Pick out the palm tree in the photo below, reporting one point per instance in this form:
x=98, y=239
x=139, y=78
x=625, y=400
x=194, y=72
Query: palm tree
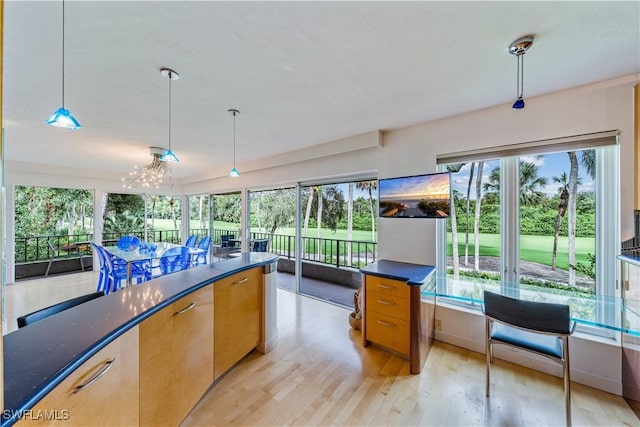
x=370, y=186
x=563, y=192
x=530, y=183
x=588, y=160
x=454, y=226
x=466, y=233
x=476, y=225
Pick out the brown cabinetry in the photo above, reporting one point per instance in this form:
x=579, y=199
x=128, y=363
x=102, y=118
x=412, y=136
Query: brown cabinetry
x=176, y=358
x=395, y=318
x=237, y=317
x=103, y=391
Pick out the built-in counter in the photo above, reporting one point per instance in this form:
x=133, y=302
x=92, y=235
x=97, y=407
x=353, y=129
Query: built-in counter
x=42, y=356
x=393, y=313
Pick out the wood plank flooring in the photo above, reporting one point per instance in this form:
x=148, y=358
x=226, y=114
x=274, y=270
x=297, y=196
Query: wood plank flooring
x=319, y=374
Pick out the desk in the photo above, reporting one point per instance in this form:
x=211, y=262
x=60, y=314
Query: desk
x=133, y=256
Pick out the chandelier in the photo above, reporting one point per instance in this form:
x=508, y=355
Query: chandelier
x=151, y=175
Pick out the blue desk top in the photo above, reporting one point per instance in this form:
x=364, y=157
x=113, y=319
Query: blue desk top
x=413, y=274
x=40, y=356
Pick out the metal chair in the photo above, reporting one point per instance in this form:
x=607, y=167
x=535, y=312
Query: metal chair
x=191, y=241
x=30, y=318
x=537, y=327
x=260, y=245
x=175, y=259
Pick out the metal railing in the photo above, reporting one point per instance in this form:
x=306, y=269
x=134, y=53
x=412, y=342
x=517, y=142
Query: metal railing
x=335, y=252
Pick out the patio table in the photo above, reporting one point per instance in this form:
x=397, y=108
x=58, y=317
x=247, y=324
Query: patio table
x=144, y=253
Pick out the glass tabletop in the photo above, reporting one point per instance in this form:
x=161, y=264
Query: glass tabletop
x=614, y=313
x=147, y=251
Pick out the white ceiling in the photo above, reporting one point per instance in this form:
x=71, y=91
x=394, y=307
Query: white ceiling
x=301, y=73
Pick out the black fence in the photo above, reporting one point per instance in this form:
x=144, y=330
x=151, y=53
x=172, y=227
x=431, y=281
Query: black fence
x=335, y=252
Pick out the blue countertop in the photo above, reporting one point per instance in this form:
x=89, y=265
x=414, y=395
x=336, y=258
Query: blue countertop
x=40, y=356
x=413, y=274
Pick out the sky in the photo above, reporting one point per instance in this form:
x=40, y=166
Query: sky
x=549, y=165
x=435, y=186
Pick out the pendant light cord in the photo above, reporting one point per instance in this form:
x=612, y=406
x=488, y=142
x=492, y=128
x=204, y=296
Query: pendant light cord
x=234, y=139
x=170, y=77
x=62, y=53
x=520, y=75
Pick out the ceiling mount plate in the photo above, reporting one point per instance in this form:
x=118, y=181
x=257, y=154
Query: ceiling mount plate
x=168, y=72
x=233, y=111
x=520, y=46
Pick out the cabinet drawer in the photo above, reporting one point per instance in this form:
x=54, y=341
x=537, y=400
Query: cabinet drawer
x=388, y=331
x=387, y=286
x=390, y=305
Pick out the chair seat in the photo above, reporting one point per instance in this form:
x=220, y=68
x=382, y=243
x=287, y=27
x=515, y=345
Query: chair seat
x=544, y=344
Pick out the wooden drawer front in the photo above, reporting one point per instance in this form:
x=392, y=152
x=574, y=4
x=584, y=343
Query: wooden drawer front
x=388, y=331
x=389, y=305
x=387, y=286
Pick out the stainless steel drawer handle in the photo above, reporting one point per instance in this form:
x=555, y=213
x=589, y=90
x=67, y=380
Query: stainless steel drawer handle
x=380, y=285
x=241, y=281
x=107, y=365
x=184, y=310
x=388, y=324
x=381, y=301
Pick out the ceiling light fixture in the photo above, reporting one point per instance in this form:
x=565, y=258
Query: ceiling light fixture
x=151, y=175
x=518, y=48
x=234, y=172
x=169, y=155
x=63, y=117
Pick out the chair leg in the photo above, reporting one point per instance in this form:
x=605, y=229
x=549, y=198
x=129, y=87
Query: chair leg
x=487, y=352
x=567, y=380
x=46, y=273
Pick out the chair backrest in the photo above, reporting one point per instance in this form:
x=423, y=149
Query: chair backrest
x=224, y=240
x=128, y=243
x=175, y=259
x=260, y=245
x=30, y=318
x=205, y=243
x=191, y=241
x=537, y=316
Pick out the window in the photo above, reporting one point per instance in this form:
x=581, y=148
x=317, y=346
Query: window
x=536, y=217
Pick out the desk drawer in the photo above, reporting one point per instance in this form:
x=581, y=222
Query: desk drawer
x=387, y=286
x=390, y=305
x=388, y=331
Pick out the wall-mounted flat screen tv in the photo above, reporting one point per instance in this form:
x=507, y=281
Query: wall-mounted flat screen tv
x=418, y=196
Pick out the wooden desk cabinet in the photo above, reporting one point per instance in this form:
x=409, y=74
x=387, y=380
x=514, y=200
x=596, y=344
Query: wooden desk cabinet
x=394, y=318
x=101, y=392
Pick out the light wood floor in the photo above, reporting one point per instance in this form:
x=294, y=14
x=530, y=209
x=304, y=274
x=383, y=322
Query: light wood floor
x=319, y=374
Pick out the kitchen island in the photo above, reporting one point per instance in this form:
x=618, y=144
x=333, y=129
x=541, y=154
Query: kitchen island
x=75, y=367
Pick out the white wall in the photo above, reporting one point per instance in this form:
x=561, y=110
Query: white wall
x=413, y=150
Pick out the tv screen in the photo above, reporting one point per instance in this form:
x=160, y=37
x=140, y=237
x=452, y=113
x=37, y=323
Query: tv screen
x=418, y=196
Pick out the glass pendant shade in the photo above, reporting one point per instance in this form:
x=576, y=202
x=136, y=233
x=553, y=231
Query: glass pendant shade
x=169, y=156
x=234, y=173
x=64, y=119
x=519, y=104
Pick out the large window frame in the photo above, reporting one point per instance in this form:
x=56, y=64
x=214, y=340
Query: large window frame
x=607, y=241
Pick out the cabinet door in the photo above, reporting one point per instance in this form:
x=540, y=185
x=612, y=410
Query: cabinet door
x=176, y=359
x=237, y=317
x=101, y=392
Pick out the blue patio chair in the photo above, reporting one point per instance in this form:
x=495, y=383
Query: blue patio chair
x=113, y=271
x=175, y=259
x=260, y=245
x=128, y=243
x=103, y=277
x=204, y=244
x=191, y=241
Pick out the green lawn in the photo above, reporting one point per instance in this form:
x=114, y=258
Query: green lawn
x=532, y=248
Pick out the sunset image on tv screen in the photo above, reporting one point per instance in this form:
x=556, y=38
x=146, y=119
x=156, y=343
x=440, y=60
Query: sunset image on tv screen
x=422, y=196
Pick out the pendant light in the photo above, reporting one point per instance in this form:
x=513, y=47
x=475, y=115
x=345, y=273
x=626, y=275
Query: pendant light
x=518, y=48
x=234, y=172
x=169, y=155
x=63, y=117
